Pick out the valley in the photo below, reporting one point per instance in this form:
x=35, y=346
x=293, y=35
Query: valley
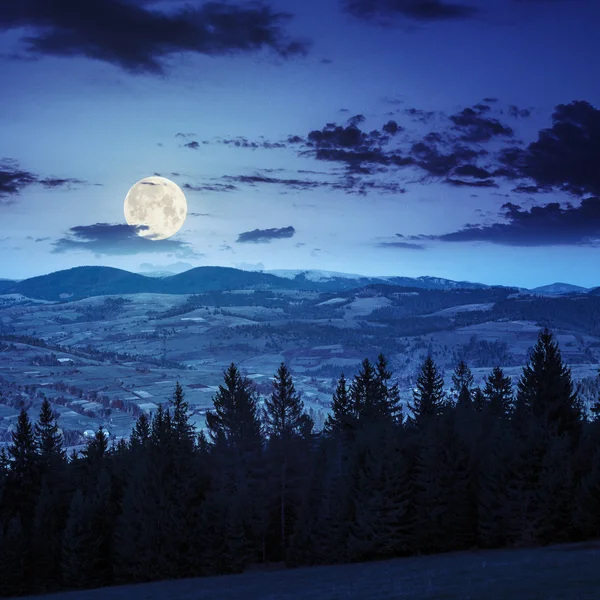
x=103, y=359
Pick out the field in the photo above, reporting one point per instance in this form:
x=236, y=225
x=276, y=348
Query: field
x=103, y=360
x=551, y=573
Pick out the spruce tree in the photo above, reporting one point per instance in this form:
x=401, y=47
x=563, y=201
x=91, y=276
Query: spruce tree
x=23, y=449
x=498, y=394
x=24, y=477
x=389, y=394
x=462, y=385
x=546, y=389
x=366, y=393
x=428, y=395
x=183, y=430
x=342, y=416
x=284, y=420
x=283, y=410
x=140, y=435
x=234, y=420
x=49, y=439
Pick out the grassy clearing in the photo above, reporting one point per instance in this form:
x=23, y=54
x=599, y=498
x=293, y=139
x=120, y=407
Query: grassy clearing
x=569, y=571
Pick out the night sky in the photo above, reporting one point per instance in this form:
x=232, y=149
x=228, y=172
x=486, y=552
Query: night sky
x=382, y=137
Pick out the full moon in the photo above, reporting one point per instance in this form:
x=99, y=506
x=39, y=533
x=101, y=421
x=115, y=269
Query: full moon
x=156, y=207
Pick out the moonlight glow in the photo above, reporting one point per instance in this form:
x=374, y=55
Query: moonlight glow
x=156, y=207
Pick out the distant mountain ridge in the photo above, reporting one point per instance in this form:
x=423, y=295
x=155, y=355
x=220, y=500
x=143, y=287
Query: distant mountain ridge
x=83, y=282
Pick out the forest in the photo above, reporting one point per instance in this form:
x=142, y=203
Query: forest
x=475, y=467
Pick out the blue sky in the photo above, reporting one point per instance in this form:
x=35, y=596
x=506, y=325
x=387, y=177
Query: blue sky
x=389, y=137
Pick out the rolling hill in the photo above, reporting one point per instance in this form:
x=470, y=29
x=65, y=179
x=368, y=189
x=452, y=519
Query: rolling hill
x=85, y=282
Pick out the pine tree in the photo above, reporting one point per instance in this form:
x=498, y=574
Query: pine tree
x=283, y=411
x=498, y=393
x=49, y=439
x=234, y=420
x=428, y=396
x=23, y=449
x=23, y=477
x=463, y=385
x=140, y=435
x=389, y=394
x=96, y=448
x=546, y=389
x=183, y=430
x=342, y=416
x=284, y=421
x=366, y=393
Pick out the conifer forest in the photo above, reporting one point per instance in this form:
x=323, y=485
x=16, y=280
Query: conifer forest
x=476, y=467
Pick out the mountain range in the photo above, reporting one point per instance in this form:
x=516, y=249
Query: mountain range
x=83, y=282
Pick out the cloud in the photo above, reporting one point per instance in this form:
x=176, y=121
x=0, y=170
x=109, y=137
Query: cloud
x=259, y=236
x=475, y=128
x=415, y=10
x=293, y=183
x=14, y=179
x=193, y=145
x=515, y=111
x=401, y=245
x=118, y=239
x=565, y=156
x=546, y=225
x=138, y=38
x=209, y=187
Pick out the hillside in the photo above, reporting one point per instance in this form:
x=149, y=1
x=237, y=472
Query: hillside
x=564, y=572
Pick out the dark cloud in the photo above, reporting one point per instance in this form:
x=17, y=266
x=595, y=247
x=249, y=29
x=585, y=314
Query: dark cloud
x=210, y=187
x=14, y=179
x=356, y=120
x=515, y=111
x=417, y=114
x=546, y=225
x=435, y=161
x=192, y=145
x=258, y=236
x=475, y=128
x=485, y=183
x=110, y=239
x=185, y=135
x=392, y=128
x=138, y=38
x=242, y=142
x=482, y=108
x=415, y=10
x=565, y=156
x=490, y=99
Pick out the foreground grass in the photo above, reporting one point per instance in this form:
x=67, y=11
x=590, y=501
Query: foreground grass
x=570, y=571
